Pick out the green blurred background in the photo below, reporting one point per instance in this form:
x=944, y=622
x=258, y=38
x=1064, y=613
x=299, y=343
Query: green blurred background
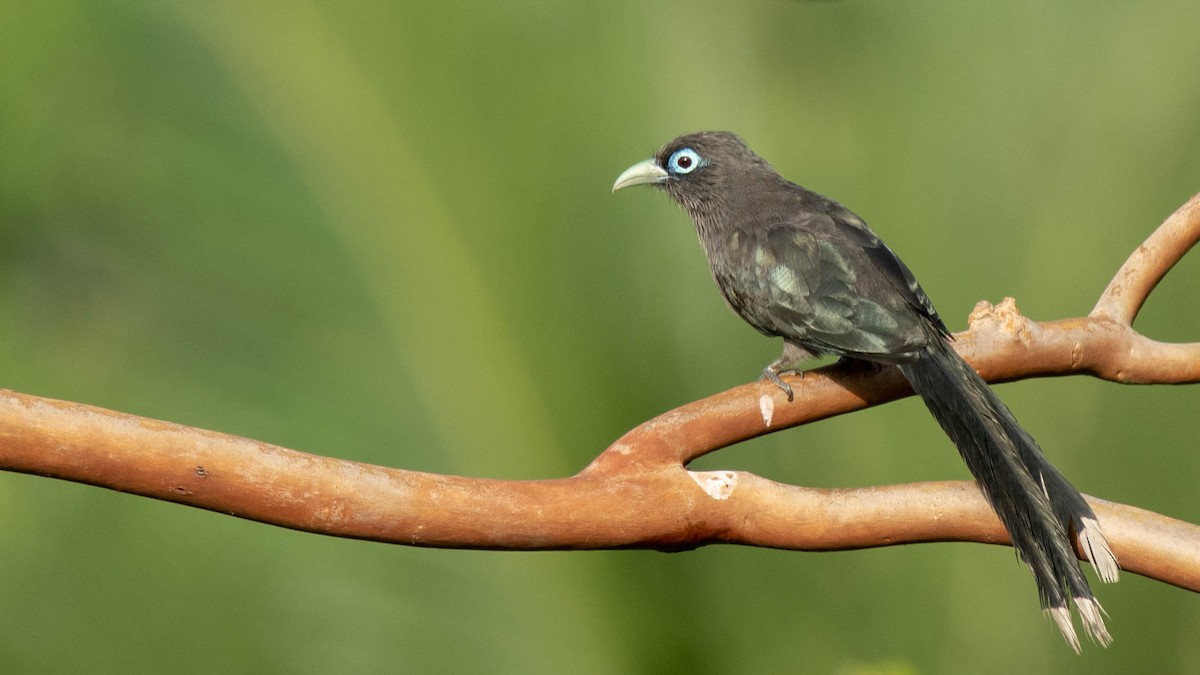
x=383, y=232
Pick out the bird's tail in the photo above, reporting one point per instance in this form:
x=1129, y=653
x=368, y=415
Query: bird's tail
x=1036, y=503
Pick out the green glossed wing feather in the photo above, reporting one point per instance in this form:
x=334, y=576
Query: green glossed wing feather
x=804, y=288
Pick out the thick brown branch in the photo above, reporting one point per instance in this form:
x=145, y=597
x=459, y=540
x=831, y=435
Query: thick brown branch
x=637, y=506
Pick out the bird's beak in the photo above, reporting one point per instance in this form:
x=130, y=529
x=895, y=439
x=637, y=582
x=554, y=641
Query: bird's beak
x=642, y=173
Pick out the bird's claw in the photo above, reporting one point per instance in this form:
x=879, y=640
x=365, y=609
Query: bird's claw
x=773, y=376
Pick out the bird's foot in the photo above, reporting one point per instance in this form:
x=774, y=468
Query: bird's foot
x=772, y=374
x=788, y=363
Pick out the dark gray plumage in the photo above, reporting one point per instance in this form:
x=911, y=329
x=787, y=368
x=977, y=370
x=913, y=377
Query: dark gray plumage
x=802, y=267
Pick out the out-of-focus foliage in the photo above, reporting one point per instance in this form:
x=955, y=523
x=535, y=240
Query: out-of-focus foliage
x=383, y=231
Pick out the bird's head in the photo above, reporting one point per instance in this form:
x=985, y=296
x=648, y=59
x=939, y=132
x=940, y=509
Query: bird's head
x=698, y=169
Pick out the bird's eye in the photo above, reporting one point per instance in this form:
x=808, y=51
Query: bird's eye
x=684, y=161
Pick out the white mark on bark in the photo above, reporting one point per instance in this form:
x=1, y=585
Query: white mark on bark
x=718, y=484
x=766, y=405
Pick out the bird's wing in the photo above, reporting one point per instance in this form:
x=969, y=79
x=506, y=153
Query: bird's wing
x=898, y=278
x=830, y=286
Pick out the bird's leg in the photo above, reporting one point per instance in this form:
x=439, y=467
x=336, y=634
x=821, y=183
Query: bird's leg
x=789, y=362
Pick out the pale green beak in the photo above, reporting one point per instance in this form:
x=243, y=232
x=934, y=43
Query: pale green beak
x=642, y=173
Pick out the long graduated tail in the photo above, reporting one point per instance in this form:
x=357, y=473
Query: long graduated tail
x=1036, y=503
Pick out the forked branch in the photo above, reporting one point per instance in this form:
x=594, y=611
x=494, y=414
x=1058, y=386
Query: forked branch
x=638, y=493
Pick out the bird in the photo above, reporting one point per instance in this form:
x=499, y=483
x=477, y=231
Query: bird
x=800, y=266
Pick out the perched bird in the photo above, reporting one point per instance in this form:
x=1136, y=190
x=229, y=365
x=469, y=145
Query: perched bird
x=800, y=266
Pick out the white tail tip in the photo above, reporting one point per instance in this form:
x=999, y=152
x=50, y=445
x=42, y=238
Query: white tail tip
x=1091, y=613
x=1096, y=548
x=1062, y=617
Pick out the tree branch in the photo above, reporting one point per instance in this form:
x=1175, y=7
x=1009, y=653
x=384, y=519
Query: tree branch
x=638, y=493
x=1147, y=266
